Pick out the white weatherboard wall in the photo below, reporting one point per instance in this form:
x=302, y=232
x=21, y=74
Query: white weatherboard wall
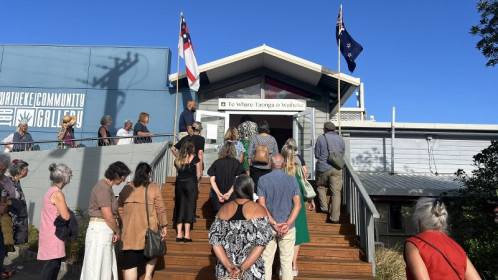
x=411, y=155
x=88, y=166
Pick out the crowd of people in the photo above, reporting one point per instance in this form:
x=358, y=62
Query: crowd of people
x=21, y=139
x=256, y=192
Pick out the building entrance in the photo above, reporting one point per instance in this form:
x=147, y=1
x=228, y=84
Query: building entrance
x=283, y=125
x=280, y=125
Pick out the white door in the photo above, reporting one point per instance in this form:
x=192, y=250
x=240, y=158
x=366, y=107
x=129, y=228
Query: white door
x=303, y=132
x=214, y=124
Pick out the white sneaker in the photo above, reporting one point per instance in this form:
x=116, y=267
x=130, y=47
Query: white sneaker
x=255, y=197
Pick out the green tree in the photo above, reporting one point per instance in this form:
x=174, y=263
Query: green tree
x=471, y=212
x=487, y=29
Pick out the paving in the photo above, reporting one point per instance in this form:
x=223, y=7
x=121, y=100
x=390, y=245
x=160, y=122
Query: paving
x=27, y=267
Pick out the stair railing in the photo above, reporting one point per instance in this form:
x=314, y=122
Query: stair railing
x=160, y=164
x=362, y=211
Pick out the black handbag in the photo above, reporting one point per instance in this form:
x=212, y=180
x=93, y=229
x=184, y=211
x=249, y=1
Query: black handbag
x=155, y=246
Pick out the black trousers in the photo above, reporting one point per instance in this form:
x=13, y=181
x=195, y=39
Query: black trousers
x=51, y=269
x=255, y=174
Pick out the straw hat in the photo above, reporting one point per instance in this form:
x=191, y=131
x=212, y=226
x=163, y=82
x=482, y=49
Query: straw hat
x=70, y=120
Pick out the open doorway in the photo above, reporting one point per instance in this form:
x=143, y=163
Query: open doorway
x=280, y=125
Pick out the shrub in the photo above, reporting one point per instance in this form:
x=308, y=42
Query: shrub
x=470, y=212
x=390, y=264
x=75, y=249
x=32, y=244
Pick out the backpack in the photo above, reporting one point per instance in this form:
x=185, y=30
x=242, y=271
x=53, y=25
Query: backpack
x=262, y=153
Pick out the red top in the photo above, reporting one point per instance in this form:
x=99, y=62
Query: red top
x=437, y=266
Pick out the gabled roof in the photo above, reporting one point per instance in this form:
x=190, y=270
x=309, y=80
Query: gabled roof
x=415, y=185
x=275, y=60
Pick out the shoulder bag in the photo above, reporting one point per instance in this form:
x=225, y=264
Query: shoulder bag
x=335, y=159
x=155, y=246
x=262, y=153
x=308, y=191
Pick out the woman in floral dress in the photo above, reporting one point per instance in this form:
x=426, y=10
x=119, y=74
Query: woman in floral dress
x=240, y=234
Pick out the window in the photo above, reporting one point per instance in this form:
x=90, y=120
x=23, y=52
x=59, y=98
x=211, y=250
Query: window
x=250, y=89
x=396, y=217
x=277, y=90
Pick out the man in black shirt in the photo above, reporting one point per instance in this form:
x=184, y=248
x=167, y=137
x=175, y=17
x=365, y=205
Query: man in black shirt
x=186, y=120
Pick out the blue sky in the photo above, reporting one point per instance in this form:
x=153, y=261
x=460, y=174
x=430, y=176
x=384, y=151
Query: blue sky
x=418, y=55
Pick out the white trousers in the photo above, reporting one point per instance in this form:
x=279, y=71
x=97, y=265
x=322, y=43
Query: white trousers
x=100, y=258
x=286, y=247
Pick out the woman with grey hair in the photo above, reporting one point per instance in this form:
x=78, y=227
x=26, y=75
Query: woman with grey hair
x=432, y=254
x=22, y=138
x=19, y=209
x=51, y=249
x=103, y=132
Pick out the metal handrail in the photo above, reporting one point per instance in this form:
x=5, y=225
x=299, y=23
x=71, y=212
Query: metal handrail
x=160, y=164
x=89, y=139
x=363, y=213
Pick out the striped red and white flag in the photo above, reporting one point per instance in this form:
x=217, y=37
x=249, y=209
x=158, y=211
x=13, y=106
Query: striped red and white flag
x=186, y=51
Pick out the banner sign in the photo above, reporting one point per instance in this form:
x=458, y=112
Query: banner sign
x=261, y=104
x=40, y=109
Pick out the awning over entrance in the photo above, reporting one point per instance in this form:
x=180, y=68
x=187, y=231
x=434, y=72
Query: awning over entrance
x=265, y=57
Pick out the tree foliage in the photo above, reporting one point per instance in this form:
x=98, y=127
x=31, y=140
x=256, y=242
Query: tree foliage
x=487, y=29
x=471, y=214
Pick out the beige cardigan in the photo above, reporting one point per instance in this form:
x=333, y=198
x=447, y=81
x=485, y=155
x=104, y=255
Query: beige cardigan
x=133, y=216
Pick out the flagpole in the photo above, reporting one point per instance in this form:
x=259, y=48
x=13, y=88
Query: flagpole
x=339, y=76
x=177, y=77
x=176, y=97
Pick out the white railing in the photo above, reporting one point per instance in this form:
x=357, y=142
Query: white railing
x=362, y=211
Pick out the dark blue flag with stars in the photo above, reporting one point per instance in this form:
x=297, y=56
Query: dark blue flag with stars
x=350, y=49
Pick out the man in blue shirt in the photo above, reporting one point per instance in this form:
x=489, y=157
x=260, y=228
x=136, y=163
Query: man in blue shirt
x=186, y=120
x=279, y=193
x=326, y=174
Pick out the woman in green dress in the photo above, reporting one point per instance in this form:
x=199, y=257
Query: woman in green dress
x=302, y=234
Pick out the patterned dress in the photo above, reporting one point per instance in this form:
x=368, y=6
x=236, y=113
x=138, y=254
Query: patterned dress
x=19, y=215
x=247, y=131
x=238, y=238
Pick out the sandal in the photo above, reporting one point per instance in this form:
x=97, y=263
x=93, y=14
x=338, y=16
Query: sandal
x=4, y=275
x=9, y=272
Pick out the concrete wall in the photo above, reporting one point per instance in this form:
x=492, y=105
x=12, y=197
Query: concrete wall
x=88, y=166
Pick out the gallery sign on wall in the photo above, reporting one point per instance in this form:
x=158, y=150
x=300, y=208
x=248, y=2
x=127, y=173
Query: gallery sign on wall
x=40, y=109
